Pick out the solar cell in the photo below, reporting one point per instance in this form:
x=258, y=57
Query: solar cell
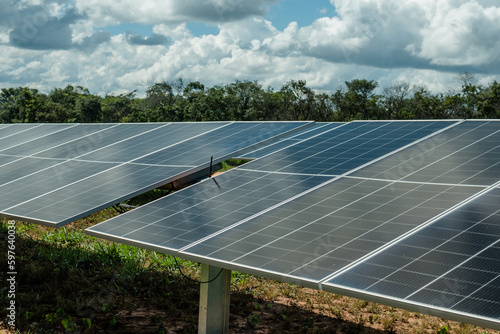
x=212, y=206
x=55, y=174
x=99, y=190
x=468, y=153
x=451, y=264
x=150, y=142
x=30, y=134
x=338, y=223
x=8, y=130
x=221, y=143
x=347, y=147
x=94, y=141
x=55, y=139
x=45, y=181
x=266, y=195
x=287, y=141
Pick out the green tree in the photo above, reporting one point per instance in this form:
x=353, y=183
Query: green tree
x=66, y=98
x=324, y=108
x=9, y=108
x=425, y=105
x=297, y=101
x=358, y=101
x=21, y=104
x=489, y=101
x=88, y=108
x=242, y=98
x=395, y=100
x=118, y=108
x=469, y=94
x=161, y=101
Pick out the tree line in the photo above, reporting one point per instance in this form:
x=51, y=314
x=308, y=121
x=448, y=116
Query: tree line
x=177, y=101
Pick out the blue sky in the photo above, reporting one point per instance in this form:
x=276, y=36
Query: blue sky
x=280, y=14
x=302, y=12
x=117, y=46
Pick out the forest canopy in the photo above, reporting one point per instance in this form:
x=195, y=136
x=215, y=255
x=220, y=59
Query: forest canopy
x=178, y=101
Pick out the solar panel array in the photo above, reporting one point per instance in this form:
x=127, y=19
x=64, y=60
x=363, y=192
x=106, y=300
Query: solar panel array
x=397, y=212
x=56, y=173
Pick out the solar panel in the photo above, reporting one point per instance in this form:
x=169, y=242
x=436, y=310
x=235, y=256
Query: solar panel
x=451, y=266
x=347, y=147
x=290, y=140
x=261, y=184
x=116, y=135
x=9, y=130
x=174, y=222
x=55, y=174
x=62, y=135
x=468, y=153
x=338, y=223
x=260, y=190
x=349, y=218
x=20, y=135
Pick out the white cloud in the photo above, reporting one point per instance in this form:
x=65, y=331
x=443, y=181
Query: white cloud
x=407, y=33
x=245, y=31
x=424, y=41
x=171, y=11
x=464, y=35
x=175, y=32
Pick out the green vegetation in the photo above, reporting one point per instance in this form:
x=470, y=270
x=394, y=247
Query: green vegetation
x=249, y=101
x=231, y=163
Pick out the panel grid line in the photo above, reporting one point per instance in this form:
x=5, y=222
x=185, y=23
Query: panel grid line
x=373, y=160
x=457, y=266
x=480, y=288
x=257, y=214
x=322, y=151
x=16, y=133
x=420, y=307
x=447, y=272
x=296, y=141
x=367, y=178
x=73, y=159
x=38, y=138
x=343, y=225
x=451, y=154
x=198, y=204
x=412, y=232
x=122, y=164
x=314, y=221
x=52, y=147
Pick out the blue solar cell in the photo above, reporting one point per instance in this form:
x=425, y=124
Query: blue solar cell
x=468, y=153
x=347, y=147
x=290, y=140
x=63, y=172
x=208, y=207
x=459, y=272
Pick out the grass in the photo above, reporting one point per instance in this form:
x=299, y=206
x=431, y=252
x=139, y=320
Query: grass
x=69, y=282
x=231, y=163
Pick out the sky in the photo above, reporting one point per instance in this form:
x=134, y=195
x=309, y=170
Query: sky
x=117, y=46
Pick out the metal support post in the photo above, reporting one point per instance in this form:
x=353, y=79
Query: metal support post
x=214, y=300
